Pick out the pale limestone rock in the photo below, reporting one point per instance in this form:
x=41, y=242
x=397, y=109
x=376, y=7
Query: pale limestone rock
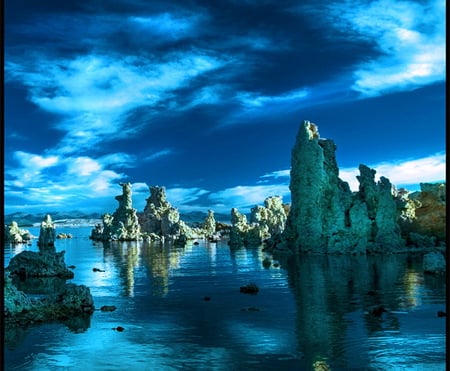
x=123, y=224
x=209, y=224
x=47, y=235
x=161, y=219
x=15, y=235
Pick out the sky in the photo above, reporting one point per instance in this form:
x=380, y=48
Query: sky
x=206, y=98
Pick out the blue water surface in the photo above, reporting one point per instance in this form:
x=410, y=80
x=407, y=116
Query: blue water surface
x=182, y=309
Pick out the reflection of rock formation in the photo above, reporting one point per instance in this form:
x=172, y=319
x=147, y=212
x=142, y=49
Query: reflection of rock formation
x=325, y=216
x=15, y=235
x=327, y=288
x=123, y=225
x=423, y=215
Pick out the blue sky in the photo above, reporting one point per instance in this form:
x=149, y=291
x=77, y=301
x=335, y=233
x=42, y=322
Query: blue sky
x=206, y=97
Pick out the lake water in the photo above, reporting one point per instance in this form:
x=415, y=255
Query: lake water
x=309, y=310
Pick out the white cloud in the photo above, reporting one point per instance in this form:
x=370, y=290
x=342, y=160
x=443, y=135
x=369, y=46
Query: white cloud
x=246, y=197
x=93, y=93
x=410, y=37
x=252, y=100
x=403, y=173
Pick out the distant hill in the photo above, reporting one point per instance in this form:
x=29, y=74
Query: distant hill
x=27, y=220
x=77, y=217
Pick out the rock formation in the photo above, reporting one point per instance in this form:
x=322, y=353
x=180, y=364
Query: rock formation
x=325, y=216
x=22, y=309
x=123, y=225
x=422, y=216
x=45, y=263
x=47, y=235
x=161, y=219
x=15, y=235
x=266, y=224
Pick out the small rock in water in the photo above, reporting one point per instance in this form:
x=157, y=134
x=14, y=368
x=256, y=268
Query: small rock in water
x=108, y=308
x=118, y=328
x=206, y=298
x=441, y=314
x=266, y=263
x=97, y=270
x=71, y=267
x=251, y=288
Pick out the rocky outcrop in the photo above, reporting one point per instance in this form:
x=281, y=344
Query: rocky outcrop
x=39, y=264
x=123, y=225
x=45, y=263
x=266, y=224
x=325, y=216
x=47, y=235
x=422, y=216
x=160, y=218
x=15, y=235
x=22, y=309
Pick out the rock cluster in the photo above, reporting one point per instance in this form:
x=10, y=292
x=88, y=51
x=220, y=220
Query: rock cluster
x=123, y=225
x=63, y=300
x=266, y=224
x=161, y=220
x=325, y=216
x=422, y=216
x=44, y=263
x=22, y=309
x=15, y=235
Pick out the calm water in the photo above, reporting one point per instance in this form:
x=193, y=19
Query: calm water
x=309, y=310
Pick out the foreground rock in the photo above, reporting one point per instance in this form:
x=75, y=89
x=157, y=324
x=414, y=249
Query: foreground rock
x=21, y=309
x=325, y=216
x=45, y=263
x=123, y=224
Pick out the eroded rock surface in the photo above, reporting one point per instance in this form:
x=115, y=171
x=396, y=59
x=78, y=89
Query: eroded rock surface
x=123, y=224
x=15, y=235
x=325, y=216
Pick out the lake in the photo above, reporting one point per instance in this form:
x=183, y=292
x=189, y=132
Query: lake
x=312, y=309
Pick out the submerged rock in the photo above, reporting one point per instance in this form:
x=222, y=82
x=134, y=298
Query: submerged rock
x=325, y=216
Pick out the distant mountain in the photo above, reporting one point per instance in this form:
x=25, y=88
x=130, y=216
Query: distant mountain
x=27, y=220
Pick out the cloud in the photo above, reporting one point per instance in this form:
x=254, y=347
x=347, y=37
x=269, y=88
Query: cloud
x=252, y=100
x=409, y=37
x=403, y=173
x=93, y=93
x=246, y=197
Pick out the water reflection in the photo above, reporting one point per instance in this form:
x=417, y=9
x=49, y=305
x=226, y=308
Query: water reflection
x=336, y=297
